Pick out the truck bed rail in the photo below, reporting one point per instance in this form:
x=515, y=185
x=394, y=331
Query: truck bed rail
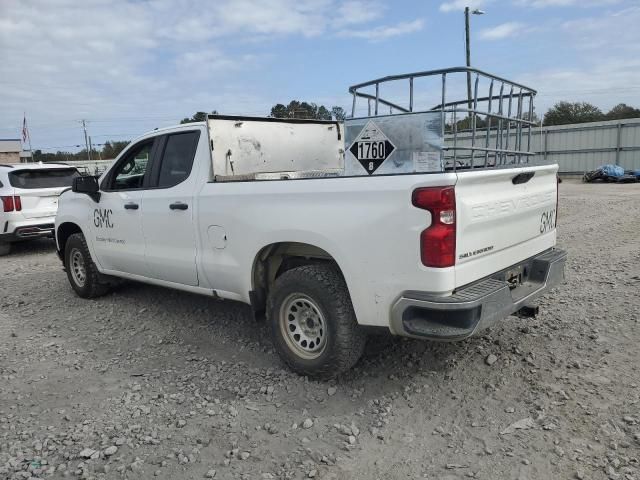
x=490, y=126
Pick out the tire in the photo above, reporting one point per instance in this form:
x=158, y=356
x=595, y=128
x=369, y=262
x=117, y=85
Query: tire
x=313, y=302
x=5, y=248
x=82, y=273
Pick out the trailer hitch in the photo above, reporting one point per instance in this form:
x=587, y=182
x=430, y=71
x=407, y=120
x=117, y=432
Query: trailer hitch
x=527, y=312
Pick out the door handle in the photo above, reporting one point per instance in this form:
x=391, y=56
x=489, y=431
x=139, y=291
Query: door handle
x=522, y=178
x=178, y=206
x=131, y=206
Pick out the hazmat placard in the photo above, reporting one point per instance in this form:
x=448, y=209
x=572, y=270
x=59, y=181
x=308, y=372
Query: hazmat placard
x=371, y=147
x=393, y=144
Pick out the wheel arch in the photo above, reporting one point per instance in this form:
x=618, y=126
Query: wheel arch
x=276, y=258
x=63, y=232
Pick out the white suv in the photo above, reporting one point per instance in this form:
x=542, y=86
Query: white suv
x=29, y=194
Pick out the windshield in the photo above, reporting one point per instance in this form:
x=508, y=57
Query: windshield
x=43, y=178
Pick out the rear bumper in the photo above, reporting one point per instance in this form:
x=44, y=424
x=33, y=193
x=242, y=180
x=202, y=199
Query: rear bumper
x=26, y=232
x=479, y=305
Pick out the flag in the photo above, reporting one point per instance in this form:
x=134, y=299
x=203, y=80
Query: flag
x=25, y=131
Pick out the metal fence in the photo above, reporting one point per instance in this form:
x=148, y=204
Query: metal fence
x=91, y=167
x=582, y=147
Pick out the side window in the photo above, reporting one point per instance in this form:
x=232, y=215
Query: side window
x=131, y=170
x=177, y=158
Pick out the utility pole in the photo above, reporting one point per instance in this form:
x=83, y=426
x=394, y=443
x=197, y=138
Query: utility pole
x=97, y=150
x=86, y=138
x=468, y=49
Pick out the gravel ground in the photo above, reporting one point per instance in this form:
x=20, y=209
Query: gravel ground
x=148, y=382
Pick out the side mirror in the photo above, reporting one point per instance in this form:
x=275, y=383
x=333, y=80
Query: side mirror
x=88, y=185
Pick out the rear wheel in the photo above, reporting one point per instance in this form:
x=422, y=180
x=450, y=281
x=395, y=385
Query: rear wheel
x=5, y=248
x=312, y=321
x=82, y=273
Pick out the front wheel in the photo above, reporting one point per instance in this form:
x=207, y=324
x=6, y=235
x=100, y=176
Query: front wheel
x=83, y=275
x=312, y=321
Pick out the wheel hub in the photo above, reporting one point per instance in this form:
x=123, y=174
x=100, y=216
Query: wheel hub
x=78, y=270
x=303, y=325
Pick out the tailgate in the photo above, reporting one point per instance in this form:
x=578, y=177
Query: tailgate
x=504, y=216
x=39, y=188
x=37, y=203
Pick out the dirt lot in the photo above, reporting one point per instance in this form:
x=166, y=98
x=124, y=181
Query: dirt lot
x=148, y=382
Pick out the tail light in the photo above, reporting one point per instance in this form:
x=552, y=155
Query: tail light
x=9, y=204
x=438, y=241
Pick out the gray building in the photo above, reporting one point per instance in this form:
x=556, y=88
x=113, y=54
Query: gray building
x=10, y=150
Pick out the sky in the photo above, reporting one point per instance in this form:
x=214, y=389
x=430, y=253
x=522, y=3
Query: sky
x=129, y=66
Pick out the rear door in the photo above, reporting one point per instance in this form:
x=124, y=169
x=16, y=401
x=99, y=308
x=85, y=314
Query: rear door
x=504, y=216
x=40, y=188
x=168, y=210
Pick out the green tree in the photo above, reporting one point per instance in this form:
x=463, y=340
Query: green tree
x=306, y=110
x=279, y=111
x=466, y=124
x=622, y=110
x=111, y=149
x=198, y=117
x=323, y=113
x=563, y=113
x=303, y=110
x=338, y=113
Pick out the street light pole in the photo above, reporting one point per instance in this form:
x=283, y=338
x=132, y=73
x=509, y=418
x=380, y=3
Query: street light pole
x=468, y=49
x=468, y=52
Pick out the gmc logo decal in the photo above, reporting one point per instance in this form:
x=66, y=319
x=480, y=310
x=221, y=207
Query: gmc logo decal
x=101, y=218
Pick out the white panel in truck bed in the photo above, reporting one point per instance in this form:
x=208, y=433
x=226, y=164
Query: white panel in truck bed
x=249, y=146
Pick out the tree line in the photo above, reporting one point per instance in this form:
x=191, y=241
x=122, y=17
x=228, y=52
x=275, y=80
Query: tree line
x=294, y=109
x=562, y=113
x=110, y=150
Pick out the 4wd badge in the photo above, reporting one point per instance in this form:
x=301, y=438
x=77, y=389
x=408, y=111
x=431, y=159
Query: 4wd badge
x=371, y=147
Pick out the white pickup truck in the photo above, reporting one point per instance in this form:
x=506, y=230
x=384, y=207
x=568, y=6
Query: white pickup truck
x=396, y=220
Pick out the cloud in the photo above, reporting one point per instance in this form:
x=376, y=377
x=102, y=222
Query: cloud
x=459, y=5
x=385, y=31
x=602, y=83
x=565, y=3
x=308, y=18
x=152, y=62
x=358, y=11
x=605, y=69
x=504, y=30
x=614, y=32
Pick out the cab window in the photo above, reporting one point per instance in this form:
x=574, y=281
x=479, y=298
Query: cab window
x=130, y=172
x=177, y=158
